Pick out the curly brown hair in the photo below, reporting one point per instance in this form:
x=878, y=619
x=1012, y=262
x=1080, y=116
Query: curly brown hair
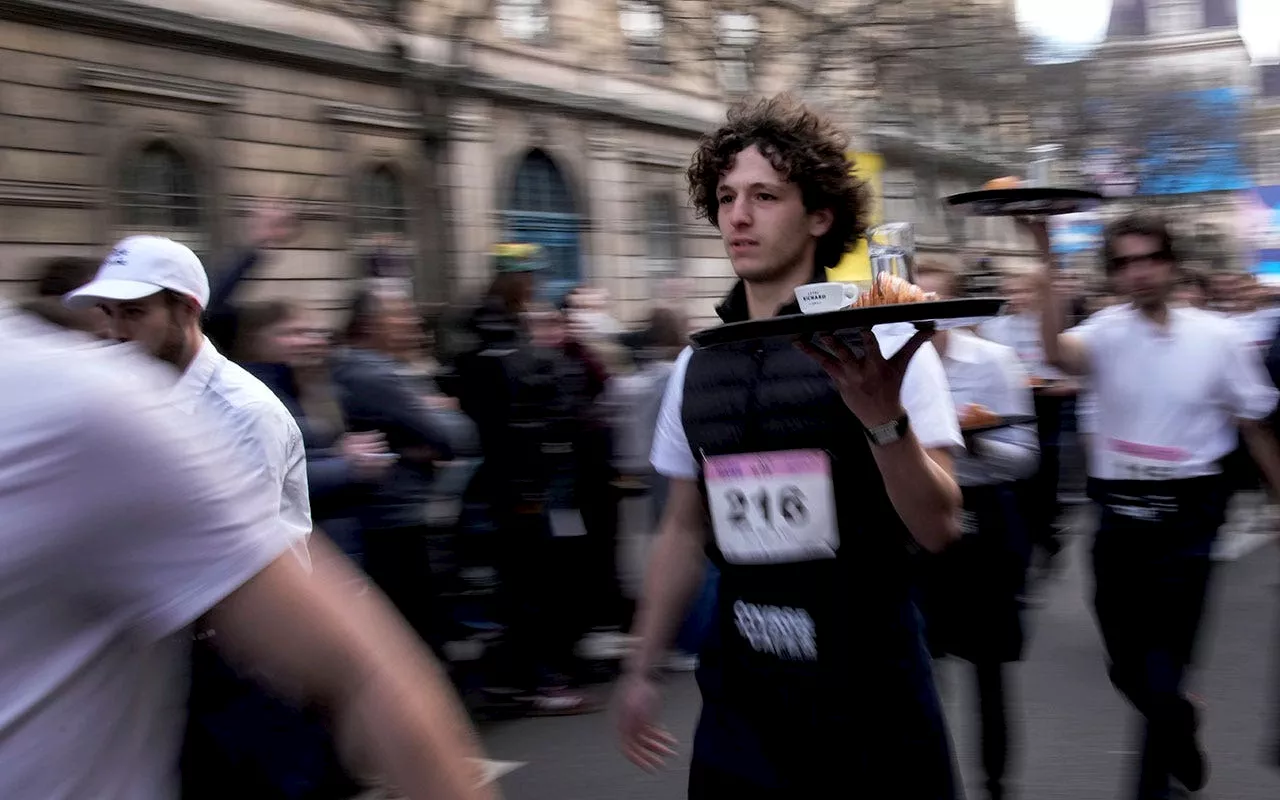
x=802, y=145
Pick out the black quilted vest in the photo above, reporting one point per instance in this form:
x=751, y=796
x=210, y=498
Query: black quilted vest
x=871, y=676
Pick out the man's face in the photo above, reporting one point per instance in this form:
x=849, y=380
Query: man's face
x=767, y=232
x=155, y=323
x=1144, y=274
x=1021, y=292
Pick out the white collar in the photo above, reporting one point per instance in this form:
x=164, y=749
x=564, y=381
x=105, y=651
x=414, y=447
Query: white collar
x=963, y=347
x=191, y=385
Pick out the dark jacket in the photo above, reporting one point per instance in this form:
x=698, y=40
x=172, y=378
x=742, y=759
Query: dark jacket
x=375, y=396
x=330, y=482
x=222, y=315
x=776, y=688
x=511, y=390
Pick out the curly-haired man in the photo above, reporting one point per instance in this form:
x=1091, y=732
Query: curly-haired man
x=820, y=472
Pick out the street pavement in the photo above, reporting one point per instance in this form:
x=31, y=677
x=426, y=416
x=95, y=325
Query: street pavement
x=1077, y=737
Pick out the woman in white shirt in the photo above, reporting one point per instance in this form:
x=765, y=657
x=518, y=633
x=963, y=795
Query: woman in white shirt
x=970, y=595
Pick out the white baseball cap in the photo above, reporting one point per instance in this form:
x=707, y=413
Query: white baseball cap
x=140, y=266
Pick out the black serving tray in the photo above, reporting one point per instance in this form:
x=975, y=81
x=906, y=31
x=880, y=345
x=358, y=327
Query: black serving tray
x=922, y=315
x=1026, y=202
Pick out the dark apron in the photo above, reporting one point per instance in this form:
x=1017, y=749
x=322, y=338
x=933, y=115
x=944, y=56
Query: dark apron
x=970, y=592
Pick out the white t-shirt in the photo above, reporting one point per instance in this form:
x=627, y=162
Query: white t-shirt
x=1257, y=327
x=123, y=522
x=989, y=375
x=1166, y=400
x=925, y=396
x=1022, y=333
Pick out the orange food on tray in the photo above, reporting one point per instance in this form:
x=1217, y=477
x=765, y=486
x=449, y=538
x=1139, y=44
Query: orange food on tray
x=1008, y=182
x=890, y=290
x=976, y=416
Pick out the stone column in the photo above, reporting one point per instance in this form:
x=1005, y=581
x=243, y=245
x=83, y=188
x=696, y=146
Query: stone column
x=470, y=182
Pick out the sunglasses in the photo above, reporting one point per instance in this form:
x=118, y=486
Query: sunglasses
x=1120, y=262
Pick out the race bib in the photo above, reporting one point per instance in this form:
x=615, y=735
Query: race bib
x=773, y=507
x=1131, y=461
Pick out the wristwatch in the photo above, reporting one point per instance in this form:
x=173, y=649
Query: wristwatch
x=889, y=432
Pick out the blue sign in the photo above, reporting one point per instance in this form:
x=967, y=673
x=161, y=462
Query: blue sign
x=1183, y=162
x=1267, y=209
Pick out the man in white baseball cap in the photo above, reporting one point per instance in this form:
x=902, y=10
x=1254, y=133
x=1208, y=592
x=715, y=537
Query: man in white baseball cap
x=154, y=291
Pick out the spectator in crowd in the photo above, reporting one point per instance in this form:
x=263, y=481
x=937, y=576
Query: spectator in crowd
x=270, y=225
x=376, y=396
x=57, y=277
x=508, y=386
x=285, y=347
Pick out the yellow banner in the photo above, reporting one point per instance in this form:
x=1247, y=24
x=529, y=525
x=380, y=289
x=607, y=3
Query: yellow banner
x=856, y=265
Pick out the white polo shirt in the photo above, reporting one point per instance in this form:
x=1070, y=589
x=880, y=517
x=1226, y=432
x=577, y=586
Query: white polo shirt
x=1166, y=399
x=1021, y=332
x=925, y=397
x=261, y=428
x=989, y=375
x=122, y=522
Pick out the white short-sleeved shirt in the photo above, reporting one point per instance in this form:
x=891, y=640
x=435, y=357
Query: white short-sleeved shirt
x=1166, y=400
x=123, y=522
x=925, y=396
x=989, y=375
x=1022, y=333
x=264, y=432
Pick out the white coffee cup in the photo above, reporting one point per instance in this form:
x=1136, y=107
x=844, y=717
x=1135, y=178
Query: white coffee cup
x=816, y=298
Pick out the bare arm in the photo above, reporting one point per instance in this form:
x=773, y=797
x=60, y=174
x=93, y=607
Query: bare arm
x=310, y=635
x=674, y=571
x=1062, y=350
x=921, y=487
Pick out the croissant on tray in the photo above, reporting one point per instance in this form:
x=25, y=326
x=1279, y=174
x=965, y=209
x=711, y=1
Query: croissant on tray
x=889, y=289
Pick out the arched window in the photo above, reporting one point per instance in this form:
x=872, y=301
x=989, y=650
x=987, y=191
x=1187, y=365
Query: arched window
x=158, y=190
x=541, y=211
x=380, y=204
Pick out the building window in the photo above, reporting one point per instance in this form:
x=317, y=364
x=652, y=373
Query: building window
x=380, y=204
x=524, y=20
x=662, y=235
x=541, y=210
x=643, y=26
x=158, y=190
x=738, y=34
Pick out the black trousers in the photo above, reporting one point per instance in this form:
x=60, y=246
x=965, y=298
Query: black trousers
x=398, y=561
x=540, y=600
x=1151, y=564
x=1042, y=500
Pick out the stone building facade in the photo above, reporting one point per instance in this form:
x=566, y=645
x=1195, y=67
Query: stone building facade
x=1200, y=38
x=566, y=122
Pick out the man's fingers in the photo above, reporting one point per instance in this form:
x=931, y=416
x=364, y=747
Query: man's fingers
x=824, y=359
x=909, y=349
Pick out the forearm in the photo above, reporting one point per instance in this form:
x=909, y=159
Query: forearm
x=404, y=721
x=310, y=637
x=675, y=570
x=922, y=490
